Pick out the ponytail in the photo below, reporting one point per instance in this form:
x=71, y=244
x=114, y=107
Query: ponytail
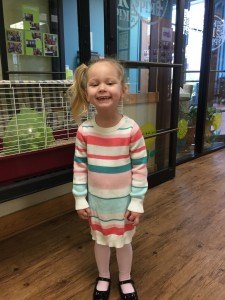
x=77, y=92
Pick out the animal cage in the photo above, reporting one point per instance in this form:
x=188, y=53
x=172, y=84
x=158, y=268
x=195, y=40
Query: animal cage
x=37, y=130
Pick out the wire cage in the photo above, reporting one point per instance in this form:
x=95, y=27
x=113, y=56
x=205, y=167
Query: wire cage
x=34, y=116
x=37, y=130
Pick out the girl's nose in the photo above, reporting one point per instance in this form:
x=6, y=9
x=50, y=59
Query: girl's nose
x=101, y=87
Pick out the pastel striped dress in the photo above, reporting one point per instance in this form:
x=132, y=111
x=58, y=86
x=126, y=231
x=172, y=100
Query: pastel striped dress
x=110, y=176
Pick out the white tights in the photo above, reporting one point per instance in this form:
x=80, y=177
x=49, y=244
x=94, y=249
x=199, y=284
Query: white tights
x=124, y=257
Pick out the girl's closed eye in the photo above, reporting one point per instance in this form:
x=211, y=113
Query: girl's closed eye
x=93, y=84
x=110, y=82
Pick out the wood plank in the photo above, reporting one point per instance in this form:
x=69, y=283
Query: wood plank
x=179, y=247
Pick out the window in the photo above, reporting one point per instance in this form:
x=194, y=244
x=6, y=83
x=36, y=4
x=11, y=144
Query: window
x=32, y=39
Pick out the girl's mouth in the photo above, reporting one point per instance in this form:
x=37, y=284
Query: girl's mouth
x=103, y=98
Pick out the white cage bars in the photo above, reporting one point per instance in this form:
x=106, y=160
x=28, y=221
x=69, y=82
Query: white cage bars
x=36, y=115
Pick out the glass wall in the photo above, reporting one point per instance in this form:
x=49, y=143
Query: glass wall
x=192, y=52
x=215, y=113
x=146, y=33
x=32, y=38
x=143, y=108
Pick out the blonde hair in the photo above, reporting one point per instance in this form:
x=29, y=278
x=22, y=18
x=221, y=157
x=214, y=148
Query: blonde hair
x=77, y=92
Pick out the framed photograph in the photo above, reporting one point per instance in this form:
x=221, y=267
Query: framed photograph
x=14, y=41
x=14, y=48
x=50, y=42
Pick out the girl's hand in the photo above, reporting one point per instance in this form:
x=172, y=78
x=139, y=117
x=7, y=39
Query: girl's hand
x=84, y=213
x=133, y=217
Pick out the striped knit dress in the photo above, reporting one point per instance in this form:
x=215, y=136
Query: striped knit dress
x=110, y=176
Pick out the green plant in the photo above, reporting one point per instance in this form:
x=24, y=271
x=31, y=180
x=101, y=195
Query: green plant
x=221, y=100
x=192, y=115
x=211, y=115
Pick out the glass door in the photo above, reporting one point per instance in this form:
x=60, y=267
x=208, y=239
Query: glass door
x=146, y=36
x=214, y=131
x=202, y=97
x=189, y=91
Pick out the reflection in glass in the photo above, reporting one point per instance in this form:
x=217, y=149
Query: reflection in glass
x=152, y=102
x=158, y=153
x=188, y=100
x=215, y=116
x=151, y=109
x=188, y=105
x=145, y=31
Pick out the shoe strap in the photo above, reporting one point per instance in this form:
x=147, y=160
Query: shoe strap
x=103, y=279
x=126, y=281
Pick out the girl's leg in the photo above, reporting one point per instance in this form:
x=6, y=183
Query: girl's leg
x=102, y=257
x=124, y=259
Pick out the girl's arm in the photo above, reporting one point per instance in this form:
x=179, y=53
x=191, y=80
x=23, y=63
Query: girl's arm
x=138, y=156
x=80, y=171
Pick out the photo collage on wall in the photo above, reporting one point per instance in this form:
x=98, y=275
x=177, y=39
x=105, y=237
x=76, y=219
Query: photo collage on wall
x=31, y=41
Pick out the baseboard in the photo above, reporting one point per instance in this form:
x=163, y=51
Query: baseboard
x=32, y=216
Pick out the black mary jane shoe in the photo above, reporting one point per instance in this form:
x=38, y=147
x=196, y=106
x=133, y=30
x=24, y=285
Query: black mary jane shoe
x=101, y=295
x=129, y=296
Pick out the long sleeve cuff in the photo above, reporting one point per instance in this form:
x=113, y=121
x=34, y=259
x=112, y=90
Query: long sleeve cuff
x=81, y=203
x=136, y=205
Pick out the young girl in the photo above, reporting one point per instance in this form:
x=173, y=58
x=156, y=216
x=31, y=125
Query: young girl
x=110, y=174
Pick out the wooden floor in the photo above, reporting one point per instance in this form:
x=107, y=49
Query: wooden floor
x=179, y=248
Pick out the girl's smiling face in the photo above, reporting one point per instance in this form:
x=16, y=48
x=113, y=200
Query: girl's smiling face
x=104, y=87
